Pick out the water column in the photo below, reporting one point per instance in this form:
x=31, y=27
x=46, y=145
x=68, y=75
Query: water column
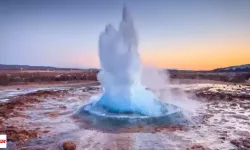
x=120, y=74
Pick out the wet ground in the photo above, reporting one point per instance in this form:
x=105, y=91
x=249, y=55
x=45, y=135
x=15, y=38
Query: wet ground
x=36, y=118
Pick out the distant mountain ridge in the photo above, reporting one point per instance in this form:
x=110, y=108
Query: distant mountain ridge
x=240, y=68
x=28, y=67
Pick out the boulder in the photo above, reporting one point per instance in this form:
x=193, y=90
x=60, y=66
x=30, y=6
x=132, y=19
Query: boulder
x=69, y=145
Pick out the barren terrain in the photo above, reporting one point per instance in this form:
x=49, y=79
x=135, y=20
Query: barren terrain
x=31, y=77
x=42, y=118
x=41, y=77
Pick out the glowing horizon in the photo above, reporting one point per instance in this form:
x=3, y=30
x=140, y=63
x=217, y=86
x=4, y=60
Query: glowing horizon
x=197, y=35
x=205, y=55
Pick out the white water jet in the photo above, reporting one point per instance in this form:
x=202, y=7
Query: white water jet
x=121, y=72
x=124, y=97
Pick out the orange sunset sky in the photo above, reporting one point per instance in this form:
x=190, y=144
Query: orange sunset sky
x=196, y=55
x=181, y=34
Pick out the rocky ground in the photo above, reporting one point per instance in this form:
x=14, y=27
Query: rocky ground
x=43, y=119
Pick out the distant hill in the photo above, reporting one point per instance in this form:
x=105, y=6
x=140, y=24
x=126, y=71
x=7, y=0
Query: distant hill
x=27, y=67
x=240, y=68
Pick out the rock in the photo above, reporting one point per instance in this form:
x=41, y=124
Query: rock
x=245, y=106
x=235, y=142
x=241, y=143
x=53, y=114
x=233, y=104
x=238, y=116
x=196, y=147
x=18, y=89
x=84, y=90
x=69, y=145
x=46, y=131
x=63, y=107
x=246, y=143
x=229, y=98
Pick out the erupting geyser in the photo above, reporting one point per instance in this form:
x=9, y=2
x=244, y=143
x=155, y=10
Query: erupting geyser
x=120, y=76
